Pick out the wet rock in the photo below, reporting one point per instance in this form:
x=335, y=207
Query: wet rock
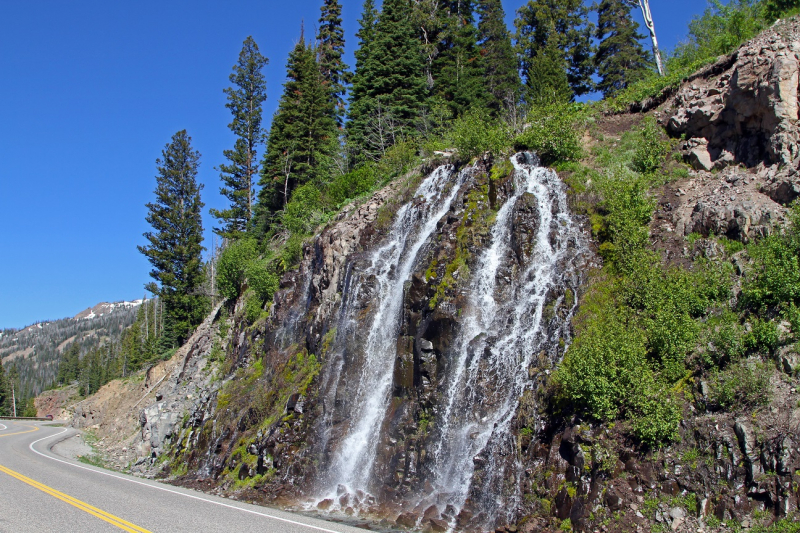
x=325, y=504
x=438, y=525
x=406, y=520
x=463, y=518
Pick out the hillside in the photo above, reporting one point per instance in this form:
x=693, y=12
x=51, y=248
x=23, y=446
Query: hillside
x=36, y=349
x=589, y=325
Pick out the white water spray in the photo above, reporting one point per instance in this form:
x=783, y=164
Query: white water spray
x=390, y=267
x=502, y=329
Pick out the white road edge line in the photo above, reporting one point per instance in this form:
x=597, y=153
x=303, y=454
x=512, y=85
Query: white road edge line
x=192, y=496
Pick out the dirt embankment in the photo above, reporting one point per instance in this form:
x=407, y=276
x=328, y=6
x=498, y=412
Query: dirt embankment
x=131, y=419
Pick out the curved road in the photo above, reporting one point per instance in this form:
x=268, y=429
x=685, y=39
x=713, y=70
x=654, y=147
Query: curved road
x=42, y=492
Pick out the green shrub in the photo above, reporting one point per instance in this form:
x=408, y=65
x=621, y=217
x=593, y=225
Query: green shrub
x=763, y=337
x=305, y=211
x=476, y=132
x=601, y=371
x=724, y=338
x=628, y=208
x=774, y=9
x=232, y=265
x=351, y=185
x=253, y=307
x=656, y=419
x=262, y=279
x=719, y=31
x=554, y=133
x=790, y=524
x=775, y=278
x=652, y=148
x=397, y=160
x=291, y=252
x=745, y=383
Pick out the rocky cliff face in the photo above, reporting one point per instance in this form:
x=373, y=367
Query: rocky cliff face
x=739, y=117
x=395, y=358
x=747, y=111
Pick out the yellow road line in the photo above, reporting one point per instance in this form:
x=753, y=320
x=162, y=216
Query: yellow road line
x=21, y=432
x=102, y=515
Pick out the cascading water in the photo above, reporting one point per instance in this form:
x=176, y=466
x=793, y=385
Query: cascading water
x=502, y=329
x=389, y=268
x=471, y=459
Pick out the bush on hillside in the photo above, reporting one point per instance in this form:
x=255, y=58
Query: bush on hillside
x=351, y=185
x=476, y=132
x=745, y=383
x=627, y=209
x=554, y=133
x=720, y=30
x=652, y=147
x=232, y=265
x=305, y=211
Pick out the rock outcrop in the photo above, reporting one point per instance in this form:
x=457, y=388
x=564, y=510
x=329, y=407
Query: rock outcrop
x=135, y=420
x=730, y=204
x=747, y=112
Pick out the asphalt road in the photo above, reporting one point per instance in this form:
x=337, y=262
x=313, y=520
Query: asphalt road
x=42, y=492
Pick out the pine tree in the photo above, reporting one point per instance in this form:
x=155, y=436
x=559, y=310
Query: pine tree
x=500, y=74
x=4, y=392
x=238, y=176
x=565, y=25
x=303, y=136
x=621, y=59
x=68, y=364
x=458, y=68
x=360, y=100
x=393, y=84
x=547, y=82
x=330, y=49
x=175, y=244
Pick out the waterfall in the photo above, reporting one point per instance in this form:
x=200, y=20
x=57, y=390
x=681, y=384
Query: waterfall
x=506, y=323
x=388, y=269
x=502, y=329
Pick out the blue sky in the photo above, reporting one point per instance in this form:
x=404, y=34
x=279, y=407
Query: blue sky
x=90, y=93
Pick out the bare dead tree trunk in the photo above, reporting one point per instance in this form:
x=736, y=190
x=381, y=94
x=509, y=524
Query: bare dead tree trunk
x=648, y=21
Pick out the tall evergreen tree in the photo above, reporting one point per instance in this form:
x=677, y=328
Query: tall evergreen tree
x=620, y=59
x=430, y=19
x=330, y=49
x=565, y=25
x=69, y=364
x=392, y=88
x=547, y=82
x=175, y=245
x=500, y=74
x=303, y=136
x=245, y=99
x=458, y=67
x=360, y=100
x=5, y=392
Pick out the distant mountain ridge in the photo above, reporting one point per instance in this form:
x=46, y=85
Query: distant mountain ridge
x=106, y=308
x=35, y=350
